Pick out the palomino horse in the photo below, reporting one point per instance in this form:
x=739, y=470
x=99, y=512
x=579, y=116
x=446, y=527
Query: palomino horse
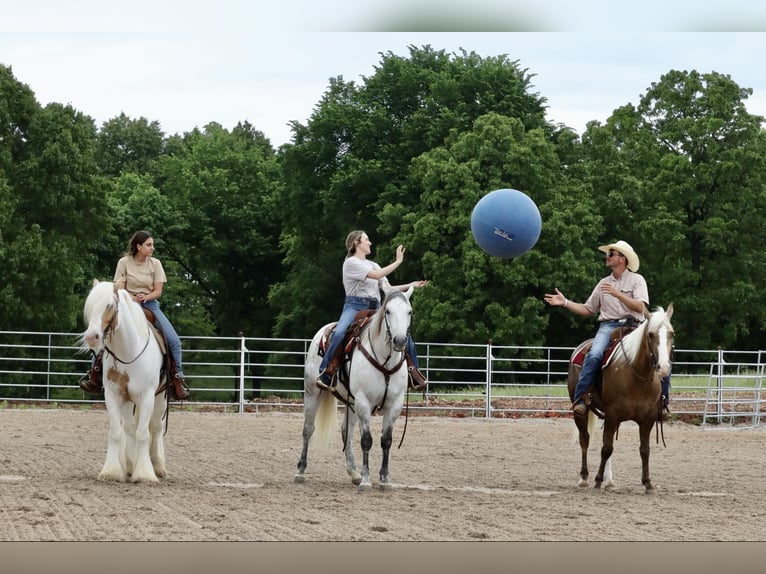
x=377, y=380
x=132, y=362
x=630, y=390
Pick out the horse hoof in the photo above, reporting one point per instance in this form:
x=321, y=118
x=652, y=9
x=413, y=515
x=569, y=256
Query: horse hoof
x=356, y=478
x=299, y=479
x=365, y=486
x=386, y=486
x=583, y=483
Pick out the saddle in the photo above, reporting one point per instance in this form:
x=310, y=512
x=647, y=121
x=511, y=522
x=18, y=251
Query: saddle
x=615, y=337
x=351, y=338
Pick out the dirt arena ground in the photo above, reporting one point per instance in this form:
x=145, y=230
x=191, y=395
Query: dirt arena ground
x=231, y=479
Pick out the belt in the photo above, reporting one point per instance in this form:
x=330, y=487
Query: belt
x=628, y=321
x=371, y=303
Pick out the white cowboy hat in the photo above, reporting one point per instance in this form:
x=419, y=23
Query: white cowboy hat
x=624, y=248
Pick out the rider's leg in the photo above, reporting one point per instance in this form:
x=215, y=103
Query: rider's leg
x=328, y=367
x=665, y=385
x=591, y=365
x=176, y=380
x=417, y=380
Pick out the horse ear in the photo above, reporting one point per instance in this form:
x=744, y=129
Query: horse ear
x=95, y=282
x=408, y=292
x=669, y=312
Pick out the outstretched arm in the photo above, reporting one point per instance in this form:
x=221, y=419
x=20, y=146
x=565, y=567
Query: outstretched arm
x=557, y=299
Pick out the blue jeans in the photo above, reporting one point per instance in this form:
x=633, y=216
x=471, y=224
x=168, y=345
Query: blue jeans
x=351, y=306
x=592, y=362
x=164, y=325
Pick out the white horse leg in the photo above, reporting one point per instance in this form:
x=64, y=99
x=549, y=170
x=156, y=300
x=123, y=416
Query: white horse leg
x=363, y=415
x=114, y=465
x=608, y=477
x=157, y=450
x=349, y=424
x=128, y=437
x=143, y=471
x=310, y=405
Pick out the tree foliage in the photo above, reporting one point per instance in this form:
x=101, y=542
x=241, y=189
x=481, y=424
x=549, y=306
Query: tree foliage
x=252, y=238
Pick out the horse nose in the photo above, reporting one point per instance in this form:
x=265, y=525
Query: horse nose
x=92, y=339
x=399, y=343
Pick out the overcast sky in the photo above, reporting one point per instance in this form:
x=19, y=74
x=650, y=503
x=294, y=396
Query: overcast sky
x=185, y=64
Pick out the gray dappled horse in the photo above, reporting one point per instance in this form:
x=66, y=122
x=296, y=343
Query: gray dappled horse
x=377, y=381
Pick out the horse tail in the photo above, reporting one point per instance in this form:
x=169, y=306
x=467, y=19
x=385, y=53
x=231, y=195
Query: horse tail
x=326, y=422
x=591, y=428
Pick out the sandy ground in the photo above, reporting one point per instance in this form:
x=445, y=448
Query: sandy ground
x=231, y=479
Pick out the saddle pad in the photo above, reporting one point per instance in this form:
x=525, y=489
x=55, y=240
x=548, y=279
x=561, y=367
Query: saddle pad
x=616, y=337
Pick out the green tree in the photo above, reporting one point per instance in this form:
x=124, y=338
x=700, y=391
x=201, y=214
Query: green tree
x=348, y=168
x=680, y=176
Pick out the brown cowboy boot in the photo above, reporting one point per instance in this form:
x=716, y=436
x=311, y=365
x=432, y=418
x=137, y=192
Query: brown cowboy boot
x=92, y=382
x=417, y=380
x=179, y=388
x=326, y=379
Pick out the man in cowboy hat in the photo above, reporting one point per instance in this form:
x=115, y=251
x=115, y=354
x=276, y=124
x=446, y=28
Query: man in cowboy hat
x=619, y=299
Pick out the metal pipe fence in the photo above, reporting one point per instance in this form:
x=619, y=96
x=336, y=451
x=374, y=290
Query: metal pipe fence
x=715, y=388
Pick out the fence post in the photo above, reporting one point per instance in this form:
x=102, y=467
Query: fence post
x=488, y=382
x=242, y=352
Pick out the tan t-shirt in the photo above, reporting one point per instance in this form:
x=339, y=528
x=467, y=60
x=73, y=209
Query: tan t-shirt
x=138, y=277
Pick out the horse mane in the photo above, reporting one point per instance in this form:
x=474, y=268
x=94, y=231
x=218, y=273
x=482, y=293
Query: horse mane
x=99, y=298
x=378, y=322
x=631, y=343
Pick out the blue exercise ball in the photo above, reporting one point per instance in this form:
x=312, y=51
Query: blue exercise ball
x=506, y=223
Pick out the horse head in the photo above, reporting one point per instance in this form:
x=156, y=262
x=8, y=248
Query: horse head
x=396, y=312
x=100, y=313
x=659, y=337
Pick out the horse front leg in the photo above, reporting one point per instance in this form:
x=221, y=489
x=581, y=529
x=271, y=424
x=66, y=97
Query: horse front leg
x=364, y=427
x=645, y=431
x=385, y=443
x=114, y=465
x=143, y=470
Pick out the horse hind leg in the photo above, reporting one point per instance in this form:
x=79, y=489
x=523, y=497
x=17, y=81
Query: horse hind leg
x=584, y=429
x=606, y=452
x=157, y=447
x=349, y=424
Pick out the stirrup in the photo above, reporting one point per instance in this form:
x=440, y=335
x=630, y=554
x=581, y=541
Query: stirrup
x=322, y=383
x=416, y=378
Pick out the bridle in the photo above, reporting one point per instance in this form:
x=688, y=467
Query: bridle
x=652, y=355
x=109, y=329
x=372, y=357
